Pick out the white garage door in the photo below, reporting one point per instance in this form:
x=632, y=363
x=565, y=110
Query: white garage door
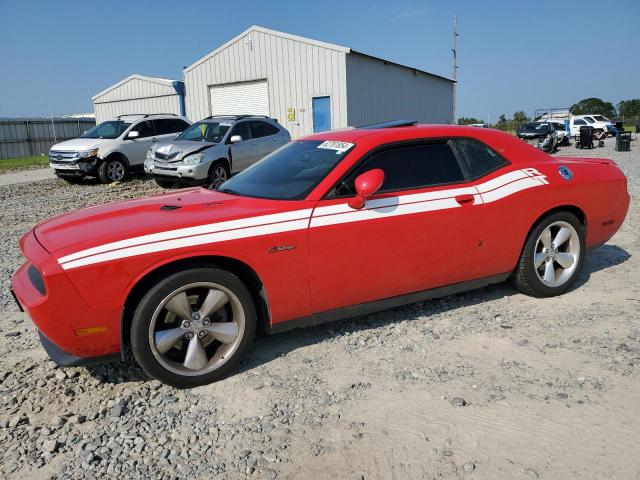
x=250, y=98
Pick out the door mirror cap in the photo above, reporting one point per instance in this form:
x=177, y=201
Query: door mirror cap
x=235, y=138
x=133, y=134
x=366, y=185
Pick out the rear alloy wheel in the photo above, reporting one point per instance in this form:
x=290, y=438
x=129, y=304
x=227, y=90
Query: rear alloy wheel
x=193, y=327
x=219, y=174
x=553, y=255
x=112, y=170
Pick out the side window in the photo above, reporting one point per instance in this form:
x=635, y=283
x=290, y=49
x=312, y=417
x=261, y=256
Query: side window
x=145, y=129
x=578, y=121
x=409, y=166
x=178, y=125
x=164, y=126
x=476, y=159
x=263, y=129
x=241, y=129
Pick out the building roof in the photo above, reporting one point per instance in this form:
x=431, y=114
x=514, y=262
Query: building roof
x=161, y=81
x=318, y=43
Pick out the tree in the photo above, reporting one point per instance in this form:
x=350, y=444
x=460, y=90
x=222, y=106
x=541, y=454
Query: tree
x=468, y=120
x=502, y=122
x=519, y=118
x=629, y=108
x=593, y=106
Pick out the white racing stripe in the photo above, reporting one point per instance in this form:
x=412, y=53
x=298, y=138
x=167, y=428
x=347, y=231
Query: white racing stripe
x=486, y=192
x=187, y=232
x=189, y=242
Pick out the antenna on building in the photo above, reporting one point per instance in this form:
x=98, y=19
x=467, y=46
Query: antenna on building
x=454, y=67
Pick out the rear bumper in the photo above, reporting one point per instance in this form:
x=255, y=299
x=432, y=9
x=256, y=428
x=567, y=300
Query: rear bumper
x=66, y=359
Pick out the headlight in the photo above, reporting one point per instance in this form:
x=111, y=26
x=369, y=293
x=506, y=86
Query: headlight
x=88, y=153
x=193, y=158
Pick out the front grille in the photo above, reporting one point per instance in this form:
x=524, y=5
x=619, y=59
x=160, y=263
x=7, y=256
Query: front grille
x=166, y=156
x=63, y=155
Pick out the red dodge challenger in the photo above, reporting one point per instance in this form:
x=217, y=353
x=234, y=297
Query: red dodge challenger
x=330, y=226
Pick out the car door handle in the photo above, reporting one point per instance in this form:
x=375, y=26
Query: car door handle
x=465, y=199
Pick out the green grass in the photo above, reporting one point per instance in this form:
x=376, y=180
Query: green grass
x=20, y=163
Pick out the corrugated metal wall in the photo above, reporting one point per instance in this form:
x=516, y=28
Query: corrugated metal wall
x=26, y=137
x=379, y=91
x=295, y=71
x=136, y=96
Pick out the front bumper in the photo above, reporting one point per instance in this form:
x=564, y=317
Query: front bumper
x=178, y=171
x=66, y=359
x=61, y=313
x=76, y=168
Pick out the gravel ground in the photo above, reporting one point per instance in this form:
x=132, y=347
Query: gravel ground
x=488, y=384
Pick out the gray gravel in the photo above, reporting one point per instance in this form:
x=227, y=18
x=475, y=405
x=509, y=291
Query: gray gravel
x=486, y=384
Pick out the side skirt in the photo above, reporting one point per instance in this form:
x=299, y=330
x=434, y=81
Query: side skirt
x=385, y=304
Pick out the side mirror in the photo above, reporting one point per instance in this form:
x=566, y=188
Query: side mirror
x=366, y=185
x=133, y=134
x=235, y=139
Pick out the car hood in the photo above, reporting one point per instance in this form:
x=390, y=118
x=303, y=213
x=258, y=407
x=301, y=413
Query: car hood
x=78, y=144
x=180, y=148
x=94, y=226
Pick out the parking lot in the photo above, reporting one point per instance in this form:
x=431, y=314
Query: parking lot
x=487, y=384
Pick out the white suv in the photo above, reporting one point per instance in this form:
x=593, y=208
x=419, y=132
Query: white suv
x=113, y=148
x=599, y=123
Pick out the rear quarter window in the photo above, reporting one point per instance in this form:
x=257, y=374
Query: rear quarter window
x=476, y=159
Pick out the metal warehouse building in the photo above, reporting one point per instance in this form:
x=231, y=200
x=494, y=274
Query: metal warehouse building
x=310, y=85
x=139, y=94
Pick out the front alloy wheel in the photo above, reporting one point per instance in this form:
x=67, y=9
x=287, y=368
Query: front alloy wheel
x=193, y=327
x=219, y=175
x=113, y=170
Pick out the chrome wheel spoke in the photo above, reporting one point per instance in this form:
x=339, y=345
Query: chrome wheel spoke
x=549, y=272
x=166, y=339
x=225, y=332
x=179, y=305
x=545, y=238
x=196, y=358
x=213, y=302
x=565, y=260
x=562, y=236
x=538, y=259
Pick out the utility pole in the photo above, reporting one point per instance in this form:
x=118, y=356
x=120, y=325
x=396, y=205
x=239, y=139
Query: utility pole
x=454, y=72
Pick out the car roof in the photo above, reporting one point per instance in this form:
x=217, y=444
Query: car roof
x=504, y=143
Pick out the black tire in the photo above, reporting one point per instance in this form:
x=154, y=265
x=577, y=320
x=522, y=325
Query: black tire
x=145, y=353
x=526, y=278
x=218, y=173
x=113, y=169
x=164, y=183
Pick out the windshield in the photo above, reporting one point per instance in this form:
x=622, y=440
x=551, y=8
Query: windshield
x=205, y=132
x=600, y=118
x=535, y=128
x=110, y=129
x=289, y=173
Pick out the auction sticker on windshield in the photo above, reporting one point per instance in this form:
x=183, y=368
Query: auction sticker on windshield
x=339, y=147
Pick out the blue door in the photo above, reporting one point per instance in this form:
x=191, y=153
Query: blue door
x=321, y=114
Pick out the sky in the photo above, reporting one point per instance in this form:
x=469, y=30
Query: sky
x=55, y=55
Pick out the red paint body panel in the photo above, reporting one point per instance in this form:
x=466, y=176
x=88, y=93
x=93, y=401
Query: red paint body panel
x=398, y=243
